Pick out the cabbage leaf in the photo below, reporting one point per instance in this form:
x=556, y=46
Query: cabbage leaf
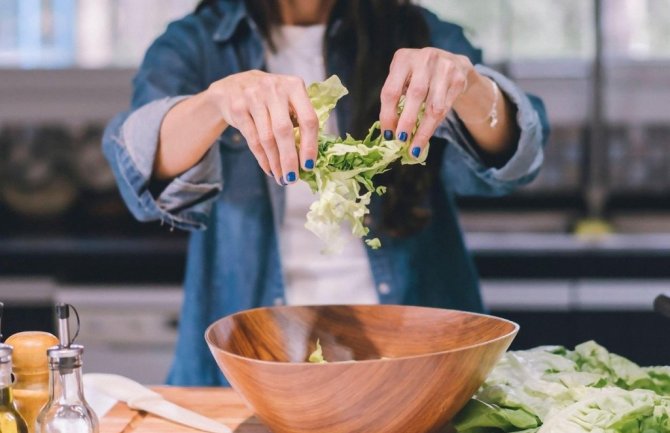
x=344, y=171
x=316, y=357
x=551, y=389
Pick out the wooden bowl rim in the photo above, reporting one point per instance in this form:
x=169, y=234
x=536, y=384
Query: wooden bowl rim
x=513, y=332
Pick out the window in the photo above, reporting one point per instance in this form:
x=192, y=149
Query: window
x=523, y=29
x=82, y=33
x=637, y=29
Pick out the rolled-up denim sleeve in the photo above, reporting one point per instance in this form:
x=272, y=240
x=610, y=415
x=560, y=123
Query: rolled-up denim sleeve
x=130, y=145
x=167, y=76
x=463, y=170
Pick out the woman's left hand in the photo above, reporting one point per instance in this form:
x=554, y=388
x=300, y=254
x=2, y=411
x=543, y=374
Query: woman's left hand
x=429, y=75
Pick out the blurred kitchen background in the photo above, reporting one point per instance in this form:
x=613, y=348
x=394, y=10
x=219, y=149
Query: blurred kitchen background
x=601, y=66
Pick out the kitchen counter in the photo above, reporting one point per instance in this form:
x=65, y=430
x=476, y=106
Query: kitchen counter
x=221, y=404
x=638, y=243
x=160, y=259
x=566, y=256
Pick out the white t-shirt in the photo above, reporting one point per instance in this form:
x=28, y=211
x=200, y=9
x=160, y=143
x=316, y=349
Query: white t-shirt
x=313, y=278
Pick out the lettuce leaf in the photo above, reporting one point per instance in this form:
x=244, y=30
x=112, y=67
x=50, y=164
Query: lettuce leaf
x=551, y=389
x=344, y=172
x=616, y=369
x=613, y=410
x=479, y=415
x=316, y=357
x=374, y=243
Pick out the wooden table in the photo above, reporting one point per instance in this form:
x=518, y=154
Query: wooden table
x=221, y=404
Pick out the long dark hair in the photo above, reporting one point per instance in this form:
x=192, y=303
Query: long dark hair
x=371, y=31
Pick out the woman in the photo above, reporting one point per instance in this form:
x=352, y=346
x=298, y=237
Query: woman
x=208, y=144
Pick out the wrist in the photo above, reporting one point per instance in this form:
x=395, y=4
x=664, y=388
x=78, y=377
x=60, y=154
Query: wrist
x=481, y=104
x=211, y=100
x=477, y=85
x=212, y=107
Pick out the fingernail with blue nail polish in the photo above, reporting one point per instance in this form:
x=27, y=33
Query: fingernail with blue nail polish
x=402, y=136
x=388, y=135
x=309, y=164
x=416, y=151
x=290, y=177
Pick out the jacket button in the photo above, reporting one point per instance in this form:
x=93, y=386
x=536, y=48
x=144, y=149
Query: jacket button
x=279, y=302
x=384, y=288
x=237, y=138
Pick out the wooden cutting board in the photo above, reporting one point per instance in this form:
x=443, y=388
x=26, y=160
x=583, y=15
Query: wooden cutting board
x=221, y=404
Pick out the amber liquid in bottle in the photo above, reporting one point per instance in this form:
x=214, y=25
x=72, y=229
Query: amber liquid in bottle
x=10, y=420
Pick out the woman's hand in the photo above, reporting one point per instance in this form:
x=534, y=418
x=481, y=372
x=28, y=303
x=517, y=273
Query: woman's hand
x=261, y=106
x=428, y=75
x=443, y=80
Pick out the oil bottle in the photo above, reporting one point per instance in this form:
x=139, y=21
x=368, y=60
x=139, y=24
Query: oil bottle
x=67, y=410
x=10, y=419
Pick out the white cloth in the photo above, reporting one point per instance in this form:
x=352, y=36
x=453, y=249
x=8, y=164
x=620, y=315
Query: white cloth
x=313, y=278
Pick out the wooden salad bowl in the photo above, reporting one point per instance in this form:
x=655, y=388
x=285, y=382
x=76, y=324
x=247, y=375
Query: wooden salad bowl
x=390, y=368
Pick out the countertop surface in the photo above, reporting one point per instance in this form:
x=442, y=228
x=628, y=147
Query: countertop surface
x=221, y=404
x=482, y=242
x=628, y=244
x=497, y=255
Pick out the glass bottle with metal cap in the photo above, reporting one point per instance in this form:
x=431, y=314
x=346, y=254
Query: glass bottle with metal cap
x=67, y=410
x=10, y=420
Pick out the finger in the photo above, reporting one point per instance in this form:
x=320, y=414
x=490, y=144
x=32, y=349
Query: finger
x=414, y=98
x=247, y=128
x=399, y=75
x=423, y=134
x=261, y=118
x=309, y=126
x=283, y=132
x=436, y=110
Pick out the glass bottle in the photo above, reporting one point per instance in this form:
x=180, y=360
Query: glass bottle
x=66, y=411
x=31, y=373
x=10, y=419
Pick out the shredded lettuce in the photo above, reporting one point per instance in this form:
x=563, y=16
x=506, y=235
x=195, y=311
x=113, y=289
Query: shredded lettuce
x=551, y=389
x=374, y=243
x=344, y=172
x=316, y=357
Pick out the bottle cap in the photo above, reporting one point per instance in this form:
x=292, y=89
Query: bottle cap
x=65, y=358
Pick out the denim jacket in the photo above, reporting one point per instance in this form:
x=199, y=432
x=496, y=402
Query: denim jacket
x=234, y=210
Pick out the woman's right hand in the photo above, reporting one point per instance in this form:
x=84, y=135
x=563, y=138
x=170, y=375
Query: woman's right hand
x=261, y=106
